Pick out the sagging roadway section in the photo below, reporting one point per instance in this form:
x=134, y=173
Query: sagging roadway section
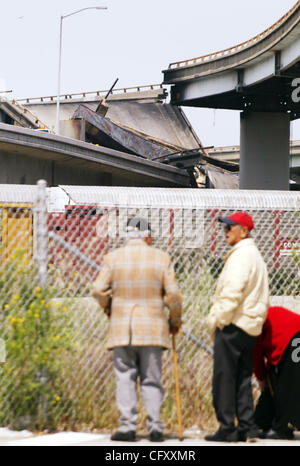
x=27, y=155
x=260, y=78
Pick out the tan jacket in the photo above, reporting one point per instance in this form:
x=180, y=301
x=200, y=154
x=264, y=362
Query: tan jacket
x=242, y=292
x=141, y=281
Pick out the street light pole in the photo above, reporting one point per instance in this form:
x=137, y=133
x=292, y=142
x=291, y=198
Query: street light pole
x=59, y=57
x=59, y=74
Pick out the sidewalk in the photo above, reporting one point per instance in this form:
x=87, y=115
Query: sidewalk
x=25, y=438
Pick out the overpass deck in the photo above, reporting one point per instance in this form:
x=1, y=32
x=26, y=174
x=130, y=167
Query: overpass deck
x=16, y=144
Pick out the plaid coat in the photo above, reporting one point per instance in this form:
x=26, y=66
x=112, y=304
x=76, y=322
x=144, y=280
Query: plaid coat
x=140, y=280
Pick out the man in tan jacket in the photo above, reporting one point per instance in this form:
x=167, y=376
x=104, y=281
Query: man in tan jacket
x=236, y=319
x=134, y=285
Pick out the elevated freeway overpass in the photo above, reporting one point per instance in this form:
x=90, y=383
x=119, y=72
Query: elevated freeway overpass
x=261, y=79
x=27, y=155
x=232, y=154
x=137, y=121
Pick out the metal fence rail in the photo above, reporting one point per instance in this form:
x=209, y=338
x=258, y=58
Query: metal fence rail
x=58, y=373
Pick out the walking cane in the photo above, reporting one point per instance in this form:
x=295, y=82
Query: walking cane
x=177, y=388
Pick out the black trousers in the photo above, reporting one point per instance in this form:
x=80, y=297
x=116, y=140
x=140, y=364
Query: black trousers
x=265, y=409
x=282, y=407
x=232, y=372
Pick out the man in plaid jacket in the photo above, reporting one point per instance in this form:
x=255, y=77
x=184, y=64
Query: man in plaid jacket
x=133, y=286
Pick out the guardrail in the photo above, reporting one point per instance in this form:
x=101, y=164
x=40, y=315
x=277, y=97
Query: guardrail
x=83, y=95
x=295, y=143
x=236, y=48
x=23, y=112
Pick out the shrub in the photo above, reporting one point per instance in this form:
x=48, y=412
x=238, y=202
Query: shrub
x=38, y=335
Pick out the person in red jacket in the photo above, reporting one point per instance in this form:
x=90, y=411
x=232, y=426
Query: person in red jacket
x=277, y=367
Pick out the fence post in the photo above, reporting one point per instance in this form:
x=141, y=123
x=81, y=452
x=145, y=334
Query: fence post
x=41, y=232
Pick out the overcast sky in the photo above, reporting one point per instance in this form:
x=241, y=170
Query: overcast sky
x=133, y=40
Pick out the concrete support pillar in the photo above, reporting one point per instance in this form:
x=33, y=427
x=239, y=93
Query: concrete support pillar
x=264, y=150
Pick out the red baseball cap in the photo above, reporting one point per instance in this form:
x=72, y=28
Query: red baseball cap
x=239, y=218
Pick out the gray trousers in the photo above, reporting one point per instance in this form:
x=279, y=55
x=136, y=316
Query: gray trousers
x=145, y=362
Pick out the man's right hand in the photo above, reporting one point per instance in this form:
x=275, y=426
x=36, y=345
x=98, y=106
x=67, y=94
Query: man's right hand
x=107, y=311
x=261, y=384
x=173, y=329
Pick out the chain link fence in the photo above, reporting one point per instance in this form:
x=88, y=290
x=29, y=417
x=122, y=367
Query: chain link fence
x=58, y=374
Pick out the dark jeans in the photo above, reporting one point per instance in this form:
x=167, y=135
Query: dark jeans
x=232, y=373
